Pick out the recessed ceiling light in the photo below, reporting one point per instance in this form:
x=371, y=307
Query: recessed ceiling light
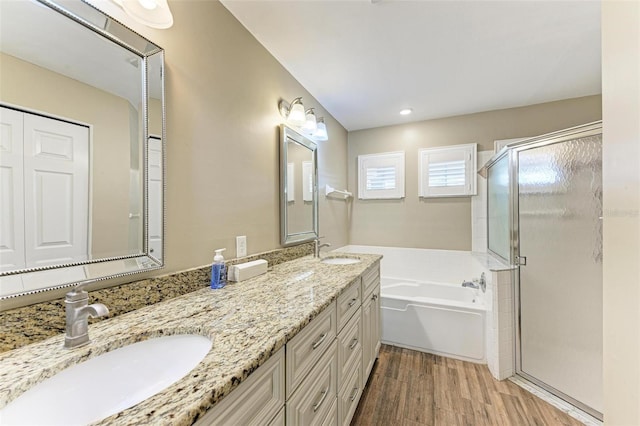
x=406, y=111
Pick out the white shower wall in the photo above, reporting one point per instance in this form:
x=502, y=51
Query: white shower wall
x=479, y=209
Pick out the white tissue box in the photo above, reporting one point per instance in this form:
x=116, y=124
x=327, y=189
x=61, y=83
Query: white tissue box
x=244, y=271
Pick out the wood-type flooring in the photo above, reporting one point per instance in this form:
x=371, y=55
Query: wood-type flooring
x=417, y=389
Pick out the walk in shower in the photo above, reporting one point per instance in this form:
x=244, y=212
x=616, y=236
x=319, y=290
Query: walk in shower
x=545, y=217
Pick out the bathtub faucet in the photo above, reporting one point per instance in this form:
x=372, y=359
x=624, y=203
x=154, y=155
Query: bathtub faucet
x=477, y=283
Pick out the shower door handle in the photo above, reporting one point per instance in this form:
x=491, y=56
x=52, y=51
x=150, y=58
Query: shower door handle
x=521, y=260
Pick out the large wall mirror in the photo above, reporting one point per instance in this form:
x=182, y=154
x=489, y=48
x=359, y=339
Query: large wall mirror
x=298, y=188
x=82, y=147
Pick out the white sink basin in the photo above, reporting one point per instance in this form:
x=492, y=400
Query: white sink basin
x=109, y=383
x=340, y=260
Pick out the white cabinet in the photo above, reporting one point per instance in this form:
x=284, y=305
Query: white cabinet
x=257, y=401
x=306, y=348
x=327, y=365
x=348, y=303
x=313, y=403
x=349, y=348
x=349, y=396
x=370, y=321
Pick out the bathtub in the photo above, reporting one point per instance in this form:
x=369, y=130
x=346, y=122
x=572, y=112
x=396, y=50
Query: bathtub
x=423, y=304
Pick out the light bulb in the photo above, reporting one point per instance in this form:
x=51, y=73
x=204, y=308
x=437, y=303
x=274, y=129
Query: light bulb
x=310, y=124
x=296, y=113
x=321, y=132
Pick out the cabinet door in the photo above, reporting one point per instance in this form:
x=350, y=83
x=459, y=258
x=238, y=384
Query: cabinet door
x=256, y=401
x=314, y=402
x=349, y=396
x=349, y=349
x=367, y=340
x=306, y=348
x=348, y=304
x=376, y=327
x=370, y=331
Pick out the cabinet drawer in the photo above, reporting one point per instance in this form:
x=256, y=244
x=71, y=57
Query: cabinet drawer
x=370, y=280
x=256, y=401
x=349, y=348
x=306, y=348
x=348, y=303
x=316, y=397
x=349, y=397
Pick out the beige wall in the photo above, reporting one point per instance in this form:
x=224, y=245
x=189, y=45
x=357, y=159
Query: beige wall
x=222, y=93
x=109, y=115
x=621, y=181
x=444, y=223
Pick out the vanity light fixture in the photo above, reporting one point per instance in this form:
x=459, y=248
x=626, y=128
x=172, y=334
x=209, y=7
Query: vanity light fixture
x=293, y=112
x=152, y=13
x=406, y=111
x=310, y=125
x=321, y=132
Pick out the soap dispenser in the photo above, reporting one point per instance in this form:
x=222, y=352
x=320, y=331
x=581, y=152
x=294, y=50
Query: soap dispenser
x=218, y=270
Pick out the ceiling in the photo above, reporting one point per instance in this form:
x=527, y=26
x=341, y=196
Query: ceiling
x=365, y=60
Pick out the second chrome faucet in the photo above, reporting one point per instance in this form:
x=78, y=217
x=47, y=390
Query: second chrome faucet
x=318, y=246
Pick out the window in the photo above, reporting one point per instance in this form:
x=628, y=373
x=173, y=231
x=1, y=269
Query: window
x=448, y=171
x=381, y=176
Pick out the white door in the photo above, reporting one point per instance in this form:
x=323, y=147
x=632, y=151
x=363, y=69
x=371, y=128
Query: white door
x=56, y=181
x=11, y=190
x=155, y=197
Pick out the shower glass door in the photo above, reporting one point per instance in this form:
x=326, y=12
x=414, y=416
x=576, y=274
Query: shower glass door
x=559, y=210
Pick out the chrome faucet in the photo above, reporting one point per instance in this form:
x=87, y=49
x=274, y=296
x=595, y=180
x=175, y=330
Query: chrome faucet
x=477, y=283
x=318, y=246
x=78, y=312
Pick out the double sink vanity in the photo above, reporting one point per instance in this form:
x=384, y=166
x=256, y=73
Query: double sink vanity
x=297, y=343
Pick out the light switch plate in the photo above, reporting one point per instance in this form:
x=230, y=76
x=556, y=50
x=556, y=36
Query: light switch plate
x=241, y=246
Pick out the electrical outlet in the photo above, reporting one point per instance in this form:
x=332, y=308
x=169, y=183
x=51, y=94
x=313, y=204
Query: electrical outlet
x=241, y=246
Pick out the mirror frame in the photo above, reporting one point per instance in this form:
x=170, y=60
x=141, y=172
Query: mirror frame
x=286, y=238
x=95, y=20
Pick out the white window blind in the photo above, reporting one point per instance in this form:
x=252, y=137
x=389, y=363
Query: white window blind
x=448, y=171
x=381, y=176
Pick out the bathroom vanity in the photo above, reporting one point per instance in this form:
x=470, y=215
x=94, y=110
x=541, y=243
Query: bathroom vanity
x=296, y=344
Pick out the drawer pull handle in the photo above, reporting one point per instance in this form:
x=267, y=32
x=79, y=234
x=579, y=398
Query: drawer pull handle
x=320, y=340
x=319, y=403
x=353, y=344
x=354, y=394
x=353, y=302
x=374, y=297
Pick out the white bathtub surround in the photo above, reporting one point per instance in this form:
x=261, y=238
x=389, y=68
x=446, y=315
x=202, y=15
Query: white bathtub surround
x=442, y=273
x=479, y=209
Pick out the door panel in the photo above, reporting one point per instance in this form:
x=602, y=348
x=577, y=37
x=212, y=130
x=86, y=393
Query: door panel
x=56, y=179
x=560, y=234
x=11, y=191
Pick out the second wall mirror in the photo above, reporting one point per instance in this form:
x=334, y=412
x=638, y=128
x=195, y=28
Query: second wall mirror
x=298, y=188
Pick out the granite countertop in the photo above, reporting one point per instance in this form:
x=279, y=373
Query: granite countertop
x=247, y=322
